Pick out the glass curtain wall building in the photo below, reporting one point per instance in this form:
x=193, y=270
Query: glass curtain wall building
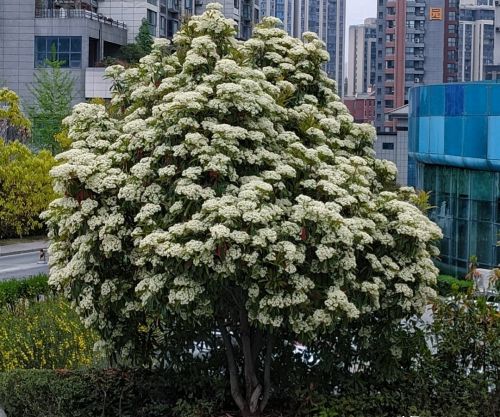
x=454, y=152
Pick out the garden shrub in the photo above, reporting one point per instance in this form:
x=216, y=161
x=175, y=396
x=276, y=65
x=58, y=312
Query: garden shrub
x=48, y=334
x=14, y=291
x=448, y=285
x=103, y=393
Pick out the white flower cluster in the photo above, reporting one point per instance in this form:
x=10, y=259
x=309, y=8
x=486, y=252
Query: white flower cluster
x=232, y=166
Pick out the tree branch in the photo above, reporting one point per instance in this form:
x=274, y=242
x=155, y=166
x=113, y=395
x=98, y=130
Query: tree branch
x=267, y=372
x=233, y=371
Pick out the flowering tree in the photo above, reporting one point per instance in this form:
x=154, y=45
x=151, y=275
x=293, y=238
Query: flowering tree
x=229, y=182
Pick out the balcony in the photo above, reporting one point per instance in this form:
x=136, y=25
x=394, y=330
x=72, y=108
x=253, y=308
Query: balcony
x=77, y=14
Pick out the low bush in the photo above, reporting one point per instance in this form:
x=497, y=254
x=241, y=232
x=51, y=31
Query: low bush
x=448, y=285
x=48, y=334
x=16, y=290
x=103, y=393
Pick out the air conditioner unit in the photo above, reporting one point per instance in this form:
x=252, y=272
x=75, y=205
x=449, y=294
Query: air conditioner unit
x=497, y=29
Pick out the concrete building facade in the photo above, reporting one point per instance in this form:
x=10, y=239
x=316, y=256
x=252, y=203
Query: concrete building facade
x=30, y=34
x=393, y=146
x=362, y=54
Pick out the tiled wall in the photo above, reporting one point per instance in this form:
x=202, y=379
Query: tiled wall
x=456, y=124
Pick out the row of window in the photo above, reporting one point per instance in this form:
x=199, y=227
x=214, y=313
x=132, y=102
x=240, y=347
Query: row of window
x=65, y=49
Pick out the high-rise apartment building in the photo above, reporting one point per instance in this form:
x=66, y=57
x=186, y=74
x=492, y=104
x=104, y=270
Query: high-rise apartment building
x=324, y=17
x=428, y=42
x=283, y=10
x=475, y=39
x=362, y=58
x=392, y=41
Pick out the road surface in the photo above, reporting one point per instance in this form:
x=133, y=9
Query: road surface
x=21, y=265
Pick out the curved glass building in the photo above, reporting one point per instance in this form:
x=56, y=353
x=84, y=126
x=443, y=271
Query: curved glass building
x=454, y=152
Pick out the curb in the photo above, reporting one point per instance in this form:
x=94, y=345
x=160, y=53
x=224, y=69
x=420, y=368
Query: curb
x=18, y=252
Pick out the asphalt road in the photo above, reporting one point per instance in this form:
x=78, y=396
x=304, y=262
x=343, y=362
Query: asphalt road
x=21, y=265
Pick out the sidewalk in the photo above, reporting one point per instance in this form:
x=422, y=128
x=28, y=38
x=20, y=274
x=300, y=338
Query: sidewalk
x=15, y=247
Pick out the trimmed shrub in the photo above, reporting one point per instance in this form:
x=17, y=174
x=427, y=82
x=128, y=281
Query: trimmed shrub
x=448, y=285
x=12, y=291
x=103, y=393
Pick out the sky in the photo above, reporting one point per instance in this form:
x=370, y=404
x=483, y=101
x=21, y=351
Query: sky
x=359, y=10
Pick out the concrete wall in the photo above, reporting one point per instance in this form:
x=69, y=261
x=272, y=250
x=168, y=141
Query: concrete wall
x=434, y=46
x=398, y=155
x=96, y=86
x=131, y=12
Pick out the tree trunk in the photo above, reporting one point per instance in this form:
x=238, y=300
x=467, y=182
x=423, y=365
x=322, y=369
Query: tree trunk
x=247, y=413
x=252, y=397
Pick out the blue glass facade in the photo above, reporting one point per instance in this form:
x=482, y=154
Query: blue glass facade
x=454, y=152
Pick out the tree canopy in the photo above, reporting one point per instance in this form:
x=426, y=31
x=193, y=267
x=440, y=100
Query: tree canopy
x=228, y=184
x=25, y=185
x=53, y=91
x=13, y=124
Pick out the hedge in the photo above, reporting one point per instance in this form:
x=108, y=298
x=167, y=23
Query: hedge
x=102, y=393
x=448, y=285
x=113, y=393
x=12, y=291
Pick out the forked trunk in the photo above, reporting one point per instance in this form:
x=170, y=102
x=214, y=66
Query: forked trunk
x=253, y=398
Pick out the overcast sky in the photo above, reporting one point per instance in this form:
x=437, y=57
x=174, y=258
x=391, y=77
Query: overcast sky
x=359, y=10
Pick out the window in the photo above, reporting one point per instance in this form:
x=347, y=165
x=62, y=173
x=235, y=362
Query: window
x=67, y=49
x=153, y=2
x=152, y=16
x=388, y=146
x=163, y=26
x=452, y=42
x=236, y=4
